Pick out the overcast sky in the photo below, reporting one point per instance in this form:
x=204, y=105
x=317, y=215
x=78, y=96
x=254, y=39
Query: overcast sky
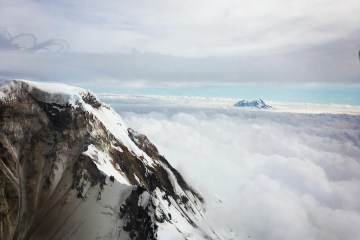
x=182, y=43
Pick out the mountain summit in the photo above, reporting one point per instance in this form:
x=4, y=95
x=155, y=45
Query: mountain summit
x=259, y=103
x=71, y=169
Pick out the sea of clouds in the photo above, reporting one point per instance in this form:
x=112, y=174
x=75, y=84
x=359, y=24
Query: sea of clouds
x=264, y=174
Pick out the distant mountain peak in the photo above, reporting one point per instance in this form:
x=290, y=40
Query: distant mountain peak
x=258, y=103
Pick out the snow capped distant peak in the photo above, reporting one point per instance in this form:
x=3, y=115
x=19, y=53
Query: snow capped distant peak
x=259, y=103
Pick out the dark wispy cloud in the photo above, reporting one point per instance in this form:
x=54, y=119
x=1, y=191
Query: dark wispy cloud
x=27, y=42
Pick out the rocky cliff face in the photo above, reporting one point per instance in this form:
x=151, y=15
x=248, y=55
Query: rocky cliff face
x=70, y=169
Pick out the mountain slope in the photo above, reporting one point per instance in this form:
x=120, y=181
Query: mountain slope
x=70, y=169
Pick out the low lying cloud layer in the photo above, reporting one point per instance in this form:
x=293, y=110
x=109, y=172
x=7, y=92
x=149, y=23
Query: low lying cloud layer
x=266, y=175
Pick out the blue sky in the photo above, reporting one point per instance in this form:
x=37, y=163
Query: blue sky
x=300, y=51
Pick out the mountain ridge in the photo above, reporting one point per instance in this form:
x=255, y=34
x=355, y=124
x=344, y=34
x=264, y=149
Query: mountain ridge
x=72, y=169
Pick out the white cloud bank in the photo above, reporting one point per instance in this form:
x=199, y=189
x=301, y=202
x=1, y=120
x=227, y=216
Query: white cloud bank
x=278, y=175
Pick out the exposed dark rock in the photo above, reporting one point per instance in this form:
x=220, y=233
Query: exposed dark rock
x=91, y=100
x=138, y=217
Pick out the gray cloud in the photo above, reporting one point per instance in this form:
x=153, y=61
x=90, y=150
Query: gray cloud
x=186, y=43
x=334, y=63
x=278, y=175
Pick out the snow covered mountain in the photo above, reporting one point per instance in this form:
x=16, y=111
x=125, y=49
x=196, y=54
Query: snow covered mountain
x=259, y=103
x=71, y=169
